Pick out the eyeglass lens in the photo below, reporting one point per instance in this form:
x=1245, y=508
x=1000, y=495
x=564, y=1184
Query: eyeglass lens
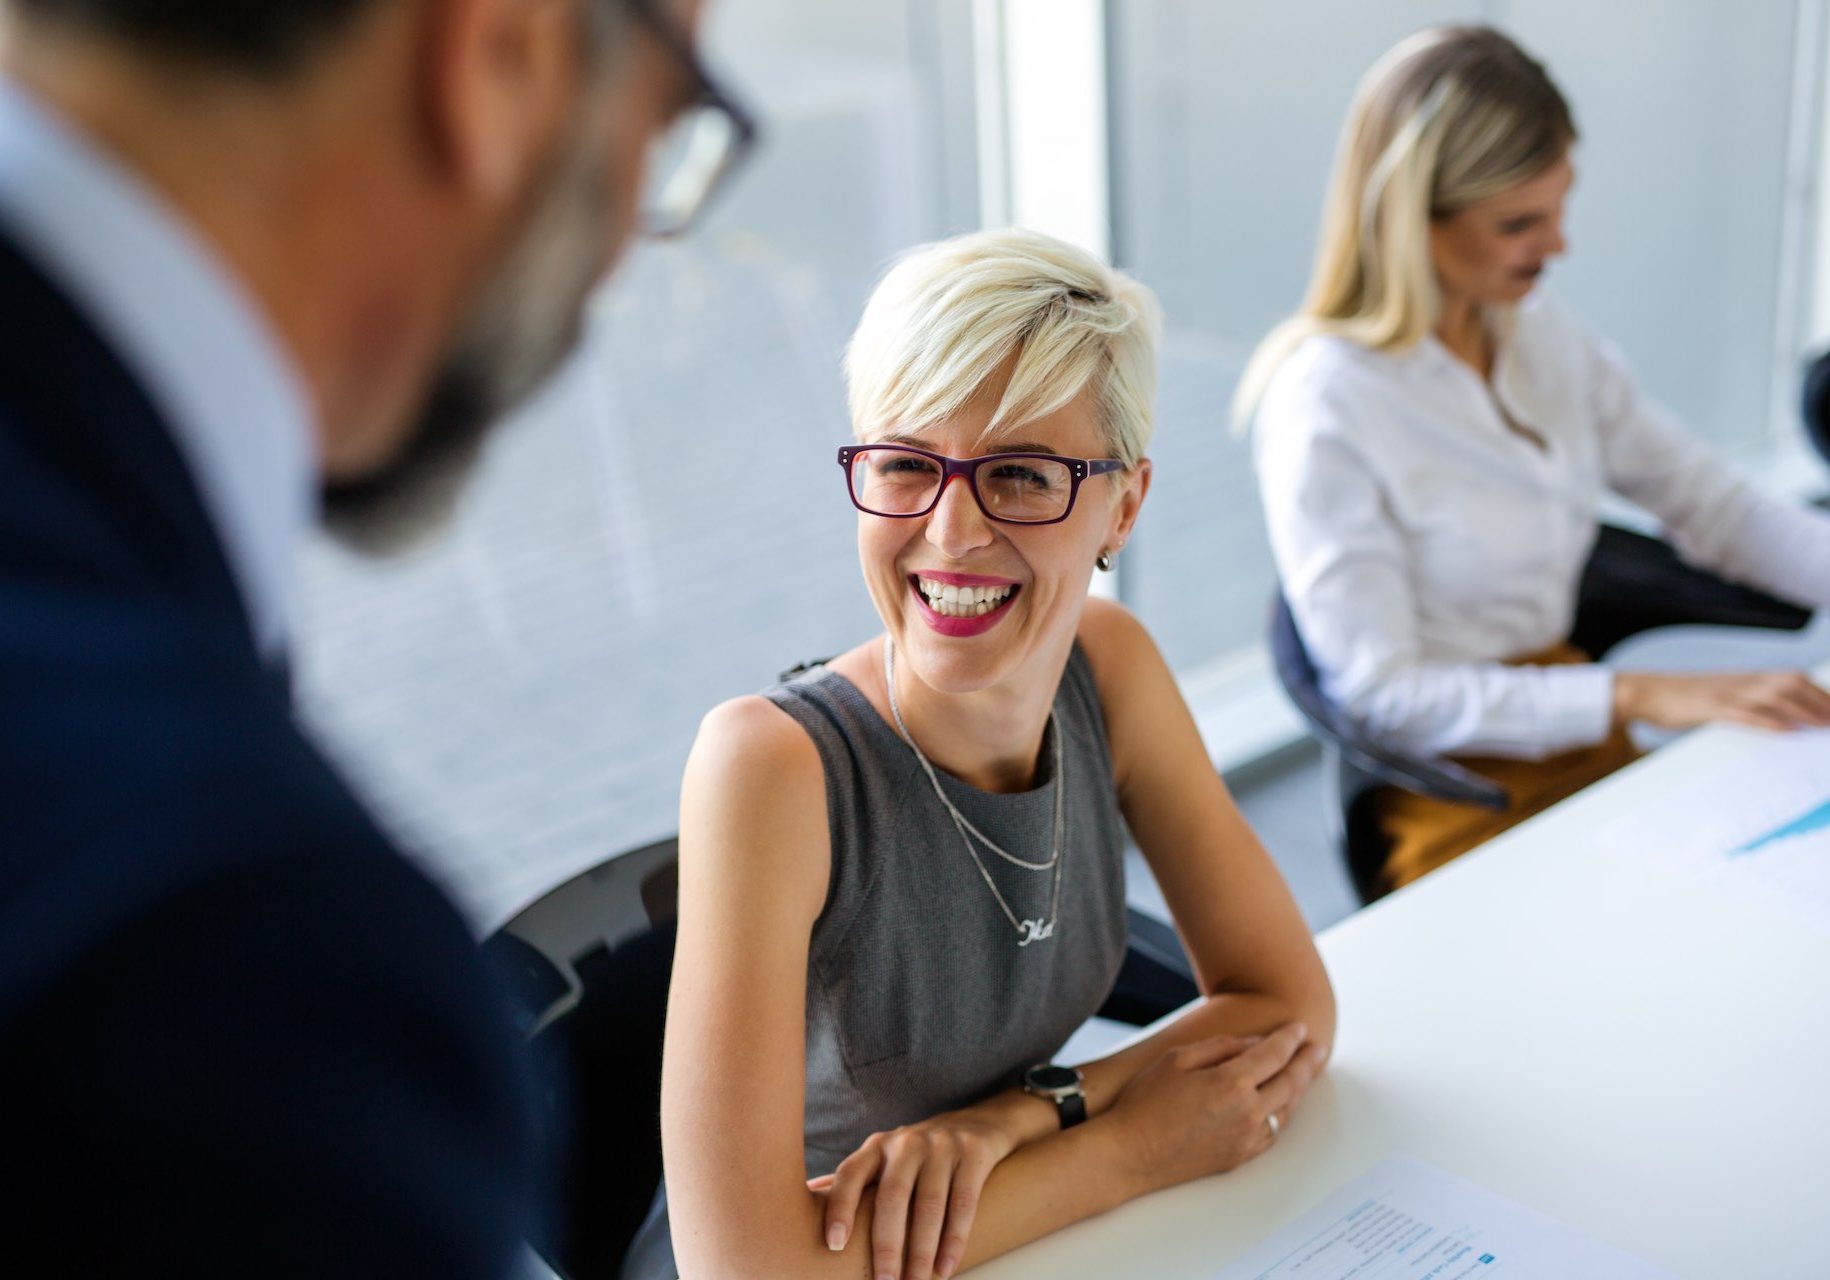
x=685, y=167
x=898, y=482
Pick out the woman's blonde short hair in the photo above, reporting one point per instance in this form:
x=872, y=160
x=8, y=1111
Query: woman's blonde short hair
x=1446, y=119
x=949, y=315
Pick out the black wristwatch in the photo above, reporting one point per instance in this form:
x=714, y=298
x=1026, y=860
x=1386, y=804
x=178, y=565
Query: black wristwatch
x=1063, y=1086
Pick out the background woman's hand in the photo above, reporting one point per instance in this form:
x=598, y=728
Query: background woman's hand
x=1777, y=700
x=1203, y=1107
x=928, y=1178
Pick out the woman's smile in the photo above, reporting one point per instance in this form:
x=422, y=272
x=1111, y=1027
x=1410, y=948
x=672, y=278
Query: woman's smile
x=962, y=604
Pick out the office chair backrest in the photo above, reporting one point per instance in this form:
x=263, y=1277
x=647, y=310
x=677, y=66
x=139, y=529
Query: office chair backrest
x=1815, y=405
x=614, y=900
x=1634, y=582
x=589, y=965
x=1297, y=674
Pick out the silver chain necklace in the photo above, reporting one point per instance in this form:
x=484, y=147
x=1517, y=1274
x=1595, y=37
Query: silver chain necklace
x=1028, y=931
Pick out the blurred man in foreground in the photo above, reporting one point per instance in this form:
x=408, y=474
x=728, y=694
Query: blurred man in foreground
x=255, y=254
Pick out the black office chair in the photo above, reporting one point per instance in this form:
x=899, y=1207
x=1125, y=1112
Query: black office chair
x=587, y=966
x=1814, y=407
x=1632, y=583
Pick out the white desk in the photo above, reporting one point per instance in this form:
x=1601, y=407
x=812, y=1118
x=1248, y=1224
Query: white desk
x=1600, y=1039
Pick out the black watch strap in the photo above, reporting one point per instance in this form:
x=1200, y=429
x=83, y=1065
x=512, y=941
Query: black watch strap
x=1073, y=1109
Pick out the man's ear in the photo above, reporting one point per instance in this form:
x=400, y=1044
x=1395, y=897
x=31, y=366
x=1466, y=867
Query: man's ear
x=497, y=82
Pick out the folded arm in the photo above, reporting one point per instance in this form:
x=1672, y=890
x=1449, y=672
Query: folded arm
x=1265, y=991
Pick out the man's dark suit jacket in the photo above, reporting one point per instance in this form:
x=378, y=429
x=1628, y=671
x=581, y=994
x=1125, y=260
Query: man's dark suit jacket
x=239, y=1036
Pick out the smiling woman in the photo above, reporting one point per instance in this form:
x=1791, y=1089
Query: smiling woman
x=1434, y=434
x=901, y=880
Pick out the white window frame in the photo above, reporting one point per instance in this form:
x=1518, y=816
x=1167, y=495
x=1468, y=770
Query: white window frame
x=1045, y=162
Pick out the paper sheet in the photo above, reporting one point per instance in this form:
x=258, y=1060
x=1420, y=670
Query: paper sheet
x=1407, y=1220
x=1760, y=828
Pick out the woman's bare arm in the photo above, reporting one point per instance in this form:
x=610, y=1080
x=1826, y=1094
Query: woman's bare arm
x=1252, y=952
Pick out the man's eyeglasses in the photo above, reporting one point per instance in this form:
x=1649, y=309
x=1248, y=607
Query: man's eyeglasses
x=700, y=150
x=900, y=481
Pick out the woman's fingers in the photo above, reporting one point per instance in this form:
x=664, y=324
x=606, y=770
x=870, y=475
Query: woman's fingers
x=902, y=1162
x=1759, y=717
x=962, y=1207
x=1772, y=700
x=1284, y=1090
x=928, y=1181
x=1802, y=701
x=928, y=1216
x=848, y=1181
x=1265, y=1059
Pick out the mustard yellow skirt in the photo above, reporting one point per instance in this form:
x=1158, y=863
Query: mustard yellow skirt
x=1426, y=833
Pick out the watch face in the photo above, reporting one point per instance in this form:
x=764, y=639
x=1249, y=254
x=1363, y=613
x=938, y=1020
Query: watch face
x=1052, y=1077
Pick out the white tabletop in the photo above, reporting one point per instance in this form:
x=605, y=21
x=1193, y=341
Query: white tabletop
x=1605, y=1040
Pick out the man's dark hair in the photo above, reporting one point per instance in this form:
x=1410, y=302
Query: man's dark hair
x=255, y=36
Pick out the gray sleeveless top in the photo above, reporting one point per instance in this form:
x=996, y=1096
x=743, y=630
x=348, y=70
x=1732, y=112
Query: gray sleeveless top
x=919, y=999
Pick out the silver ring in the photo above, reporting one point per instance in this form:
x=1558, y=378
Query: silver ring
x=1272, y=1120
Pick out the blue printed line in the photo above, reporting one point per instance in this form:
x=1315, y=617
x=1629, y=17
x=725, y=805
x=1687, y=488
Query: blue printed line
x=1815, y=820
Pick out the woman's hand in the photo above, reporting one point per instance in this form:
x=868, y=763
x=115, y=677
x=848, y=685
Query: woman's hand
x=928, y=1178
x=1205, y=1107
x=1778, y=700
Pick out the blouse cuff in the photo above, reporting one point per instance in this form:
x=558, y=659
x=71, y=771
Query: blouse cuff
x=1579, y=706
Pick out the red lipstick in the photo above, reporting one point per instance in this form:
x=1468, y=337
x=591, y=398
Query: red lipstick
x=976, y=624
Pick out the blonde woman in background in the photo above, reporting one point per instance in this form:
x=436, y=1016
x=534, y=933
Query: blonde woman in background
x=1433, y=434
x=901, y=875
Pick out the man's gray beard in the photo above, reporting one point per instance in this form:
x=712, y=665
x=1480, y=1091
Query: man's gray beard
x=528, y=319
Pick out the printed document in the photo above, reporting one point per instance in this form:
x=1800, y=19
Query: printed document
x=1407, y=1220
x=1760, y=828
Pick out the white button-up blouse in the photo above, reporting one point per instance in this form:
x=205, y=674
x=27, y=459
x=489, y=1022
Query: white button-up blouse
x=1421, y=540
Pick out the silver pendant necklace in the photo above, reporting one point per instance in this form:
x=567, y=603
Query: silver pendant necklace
x=1028, y=931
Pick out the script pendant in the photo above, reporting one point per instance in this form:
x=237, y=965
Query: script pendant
x=1036, y=931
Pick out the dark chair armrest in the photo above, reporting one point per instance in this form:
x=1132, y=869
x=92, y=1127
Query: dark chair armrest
x=1425, y=775
x=802, y=667
x=1635, y=583
x=1155, y=978
x=1435, y=776
x=1158, y=942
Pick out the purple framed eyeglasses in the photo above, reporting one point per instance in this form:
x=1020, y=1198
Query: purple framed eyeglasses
x=901, y=481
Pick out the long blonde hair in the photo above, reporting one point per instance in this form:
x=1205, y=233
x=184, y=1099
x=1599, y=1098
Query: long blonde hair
x=1447, y=118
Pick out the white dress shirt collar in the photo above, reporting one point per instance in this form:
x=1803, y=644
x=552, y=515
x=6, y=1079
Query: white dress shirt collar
x=178, y=318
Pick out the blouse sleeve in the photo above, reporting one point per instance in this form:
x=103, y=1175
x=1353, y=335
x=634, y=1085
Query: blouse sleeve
x=1714, y=516
x=1345, y=572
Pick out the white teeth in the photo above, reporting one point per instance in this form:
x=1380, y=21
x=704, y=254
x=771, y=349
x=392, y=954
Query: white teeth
x=952, y=601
